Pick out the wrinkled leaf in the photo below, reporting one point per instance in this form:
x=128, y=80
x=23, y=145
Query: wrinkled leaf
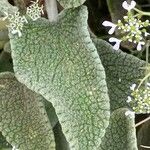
x=23, y=120
x=143, y=136
x=120, y=134
x=60, y=62
x=71, y=3
x=122, y=70
x=5, y=6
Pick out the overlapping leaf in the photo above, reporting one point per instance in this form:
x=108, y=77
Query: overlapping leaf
x=60, y=62
x=23, y=120
x=122, y=70
x=71, y=3
x=120, y=134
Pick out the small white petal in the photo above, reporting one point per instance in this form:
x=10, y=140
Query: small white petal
x=146, y=34
x=6, y=16
x=110, y=24
x=127, y=6
x=129, y=99
x=148, y=84
x=117, y=42
x=139, y=46
x=131, y=114
x=132, y=87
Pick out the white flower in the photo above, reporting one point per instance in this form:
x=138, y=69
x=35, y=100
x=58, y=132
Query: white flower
x=132, y=87
x=110, y=24
x=129, y=113
x=6, y=16
x=146, y=34
x=117, y=42
x=128, y=7
x=14, y=148
x=139, y=46
x=129, y=99
x=34, y=11
x=16, y=22
x=148, y=84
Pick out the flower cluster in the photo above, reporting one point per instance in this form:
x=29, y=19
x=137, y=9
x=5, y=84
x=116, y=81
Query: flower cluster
x=16, y=21
x=34, y=11
x=140, y=98
x=132, y=28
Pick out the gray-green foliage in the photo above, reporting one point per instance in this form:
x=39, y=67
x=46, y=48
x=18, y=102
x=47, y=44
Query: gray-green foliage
x=23, y=118
x=85, y=85
x=71, y=3
x=120, y=133
x=122, y=70
x=69, y=74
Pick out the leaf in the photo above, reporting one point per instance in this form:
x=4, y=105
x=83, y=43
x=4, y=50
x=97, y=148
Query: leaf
x=60, y=62
x=122, y=70
x=23, y=120
x=5, y=6
x=71, y=3
x=5, y=62
x=120, y=133
x=143, y=135
x=3, y=33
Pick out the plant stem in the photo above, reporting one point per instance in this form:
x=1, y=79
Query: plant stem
x=143, y=121
x=147, y=55
x=142, y=12
x=52, y=11
x=147, y=73
x=148, y=147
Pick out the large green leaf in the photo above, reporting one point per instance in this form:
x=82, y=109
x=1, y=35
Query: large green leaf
x=122, y=70
x=71, y=3
x=120, y=134
x=23, y=120
x=60, y=62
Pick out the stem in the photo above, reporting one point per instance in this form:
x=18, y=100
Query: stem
x=147, y=73
x=143, y=13
x=52, y=11
x=143, y=121
x=147, y=53
x=148, y=147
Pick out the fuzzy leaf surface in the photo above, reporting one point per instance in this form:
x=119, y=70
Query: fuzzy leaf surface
x=120, y=133
x=59, y=61
x=122, y=70
x=23, y=120
x=71, y=3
